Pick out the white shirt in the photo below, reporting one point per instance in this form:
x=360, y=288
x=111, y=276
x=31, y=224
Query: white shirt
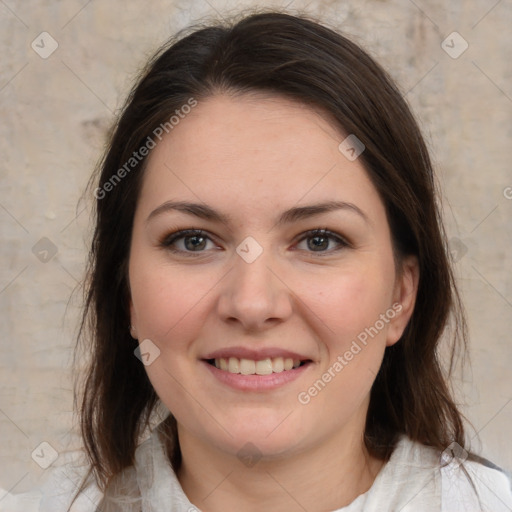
x=413, y=480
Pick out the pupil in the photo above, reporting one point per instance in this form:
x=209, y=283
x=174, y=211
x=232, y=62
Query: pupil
x=319, y=242
x=322, y=244
x=194, y=246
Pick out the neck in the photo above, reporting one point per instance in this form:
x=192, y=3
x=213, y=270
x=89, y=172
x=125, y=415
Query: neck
x=325, y=477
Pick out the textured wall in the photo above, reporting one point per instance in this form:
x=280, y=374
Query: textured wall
x=55, y=110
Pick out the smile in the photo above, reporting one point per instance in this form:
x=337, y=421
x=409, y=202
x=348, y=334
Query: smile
x=265, y=366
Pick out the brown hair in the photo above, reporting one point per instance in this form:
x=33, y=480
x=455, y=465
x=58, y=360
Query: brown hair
x=303, y=60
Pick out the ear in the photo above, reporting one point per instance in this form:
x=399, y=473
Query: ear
x=133, y=321
x=404, y=298
x=133, y=316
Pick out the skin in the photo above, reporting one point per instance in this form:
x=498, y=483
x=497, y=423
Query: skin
x=252, y=157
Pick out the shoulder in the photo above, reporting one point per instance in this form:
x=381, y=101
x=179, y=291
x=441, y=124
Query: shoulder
x=57, y=488
x=467, y=482
x=67, y=485
x=491, y=484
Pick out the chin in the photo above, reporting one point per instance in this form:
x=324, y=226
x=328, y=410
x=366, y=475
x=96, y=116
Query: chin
x=274, y=436
x=248, y=445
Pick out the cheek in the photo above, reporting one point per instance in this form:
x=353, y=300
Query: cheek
x=350, y=306
x=350, y=301
x=170, y=307
x=167, y=300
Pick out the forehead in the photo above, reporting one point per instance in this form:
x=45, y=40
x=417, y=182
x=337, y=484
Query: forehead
x=253, y=152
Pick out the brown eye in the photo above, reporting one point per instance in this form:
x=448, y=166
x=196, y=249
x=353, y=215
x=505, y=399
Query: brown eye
x=188, y=240
x=320, y=240
x=194, y=242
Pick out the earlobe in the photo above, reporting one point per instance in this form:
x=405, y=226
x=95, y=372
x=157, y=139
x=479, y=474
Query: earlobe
x=406, y=289
x=133, y=323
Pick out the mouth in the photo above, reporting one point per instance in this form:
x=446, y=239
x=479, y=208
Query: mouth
x=267, y=366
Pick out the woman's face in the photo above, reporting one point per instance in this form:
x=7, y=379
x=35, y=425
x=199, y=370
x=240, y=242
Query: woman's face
x=224, y=316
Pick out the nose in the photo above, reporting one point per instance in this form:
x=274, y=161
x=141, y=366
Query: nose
x=254, y=295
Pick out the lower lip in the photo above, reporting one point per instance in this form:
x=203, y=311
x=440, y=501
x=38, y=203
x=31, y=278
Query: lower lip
x=257, y=382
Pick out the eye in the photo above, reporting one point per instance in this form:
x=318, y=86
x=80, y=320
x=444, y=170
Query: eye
x=320, y=240
x=190, y=241
x=187, y=241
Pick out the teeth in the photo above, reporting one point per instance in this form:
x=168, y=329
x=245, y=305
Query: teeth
x=233, y=365
x=263, y=367
x=247, y=367
x=278, y=365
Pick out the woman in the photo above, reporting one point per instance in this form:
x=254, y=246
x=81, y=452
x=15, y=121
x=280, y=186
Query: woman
x=269, y=264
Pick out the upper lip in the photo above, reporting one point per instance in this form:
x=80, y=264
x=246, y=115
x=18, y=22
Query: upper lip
x=253, y=354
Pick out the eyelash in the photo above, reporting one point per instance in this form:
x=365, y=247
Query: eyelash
x=168, y=241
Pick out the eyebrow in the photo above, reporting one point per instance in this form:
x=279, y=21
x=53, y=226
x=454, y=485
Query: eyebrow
x=294, y=214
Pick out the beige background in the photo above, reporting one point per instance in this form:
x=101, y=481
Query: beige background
x=54, y=113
